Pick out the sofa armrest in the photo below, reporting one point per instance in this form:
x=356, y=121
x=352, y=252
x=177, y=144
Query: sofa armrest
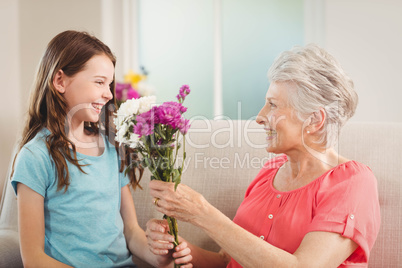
x=9, y=249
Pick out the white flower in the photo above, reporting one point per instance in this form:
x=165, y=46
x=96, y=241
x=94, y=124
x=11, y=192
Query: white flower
x=134, y=139
x=145, y=89
x=128, y=108
x=146, y=103
x=121, y=133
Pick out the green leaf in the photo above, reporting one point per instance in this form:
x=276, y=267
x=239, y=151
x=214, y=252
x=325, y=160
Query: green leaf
x=176, y=183
x=176, y=175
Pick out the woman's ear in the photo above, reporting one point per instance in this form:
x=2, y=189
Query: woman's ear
x=59, y=81
x=317, y=120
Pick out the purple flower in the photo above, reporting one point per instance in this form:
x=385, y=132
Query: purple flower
x=143, y=129
x=119, y=90
x=184, y=91
x=184, y=126
x=176, y=105
x=169, y=114
x=146, y=122
x=126, y=92
x=132, y=94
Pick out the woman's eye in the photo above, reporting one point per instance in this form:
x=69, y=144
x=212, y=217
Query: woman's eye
x=100, y=82
x=272, y=104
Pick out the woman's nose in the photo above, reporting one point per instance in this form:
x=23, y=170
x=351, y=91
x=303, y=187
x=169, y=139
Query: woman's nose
x=262, y=116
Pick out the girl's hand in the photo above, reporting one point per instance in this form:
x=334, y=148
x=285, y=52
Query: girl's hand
x=184, y=203
x=161, y=243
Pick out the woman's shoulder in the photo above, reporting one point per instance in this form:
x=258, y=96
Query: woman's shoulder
x=349, y=176
x=352, y=169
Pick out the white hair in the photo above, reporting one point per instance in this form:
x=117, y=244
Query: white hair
x=321, y=83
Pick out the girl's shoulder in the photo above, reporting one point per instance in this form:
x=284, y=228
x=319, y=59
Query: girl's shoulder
x=38, y=143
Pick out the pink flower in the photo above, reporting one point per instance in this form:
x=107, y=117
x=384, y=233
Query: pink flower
x=124, y=91
x=132, y=94
x=184, y=126
x=146, y=123
x=169, y=114
x=143, y=129
x=184, y=91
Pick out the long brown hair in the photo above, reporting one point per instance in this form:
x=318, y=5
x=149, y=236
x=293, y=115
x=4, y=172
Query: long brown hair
x=68, y=51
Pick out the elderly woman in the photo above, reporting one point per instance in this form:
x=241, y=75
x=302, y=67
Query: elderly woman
x=309, y=206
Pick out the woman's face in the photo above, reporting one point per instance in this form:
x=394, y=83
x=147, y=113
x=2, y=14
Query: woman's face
x=283, y=128
x=89, y=90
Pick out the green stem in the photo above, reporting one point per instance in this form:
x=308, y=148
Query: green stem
x=184, y=152
x=173, y=230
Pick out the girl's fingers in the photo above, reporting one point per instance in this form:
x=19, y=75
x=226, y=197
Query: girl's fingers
x=182, y=254
x=159, y=240
x=184, y=260
x=166, y=238
x=157, y=225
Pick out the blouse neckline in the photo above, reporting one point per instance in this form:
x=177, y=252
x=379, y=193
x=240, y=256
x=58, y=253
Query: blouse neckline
x=271, y=183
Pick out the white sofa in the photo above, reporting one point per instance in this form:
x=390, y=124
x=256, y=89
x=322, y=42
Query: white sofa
x=222, y=159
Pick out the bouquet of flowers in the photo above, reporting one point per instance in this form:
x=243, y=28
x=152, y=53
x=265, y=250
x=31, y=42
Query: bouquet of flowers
x=153, y=132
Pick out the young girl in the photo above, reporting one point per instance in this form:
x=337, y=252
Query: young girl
x=75, y=207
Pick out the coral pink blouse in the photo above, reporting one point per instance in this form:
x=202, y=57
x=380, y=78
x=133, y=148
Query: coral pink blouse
x=343, y=200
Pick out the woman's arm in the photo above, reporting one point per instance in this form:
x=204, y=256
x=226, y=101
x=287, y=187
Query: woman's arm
x=318, y=249
x=32, y=229
x=137, y=241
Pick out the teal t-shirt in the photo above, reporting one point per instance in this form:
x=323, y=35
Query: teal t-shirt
x=83, y=226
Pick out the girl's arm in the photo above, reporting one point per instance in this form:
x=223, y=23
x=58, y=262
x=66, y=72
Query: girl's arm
x=318, y=249
x=137, y=241
x=157, y=240
x=32, y=229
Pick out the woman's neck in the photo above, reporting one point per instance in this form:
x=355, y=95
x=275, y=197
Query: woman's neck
x=309, y=164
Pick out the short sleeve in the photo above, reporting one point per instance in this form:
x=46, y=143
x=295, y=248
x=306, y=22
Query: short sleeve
x=123, y=179
x=33, y=168
x=347, y=203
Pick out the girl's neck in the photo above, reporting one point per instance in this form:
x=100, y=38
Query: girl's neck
x=81, y=137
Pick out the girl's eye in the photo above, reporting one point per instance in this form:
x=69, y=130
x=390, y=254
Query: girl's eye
x=100, y=82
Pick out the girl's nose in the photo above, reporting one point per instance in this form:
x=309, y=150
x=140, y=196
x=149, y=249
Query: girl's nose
x=108, y=94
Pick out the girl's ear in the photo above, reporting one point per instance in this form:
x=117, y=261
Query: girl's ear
x=59, y=82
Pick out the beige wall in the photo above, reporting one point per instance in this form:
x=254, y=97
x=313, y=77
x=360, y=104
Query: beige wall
x=26, y=27
x=10, y=107
x=366, y=37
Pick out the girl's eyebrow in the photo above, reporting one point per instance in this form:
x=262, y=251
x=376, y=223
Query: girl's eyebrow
x=103, y=77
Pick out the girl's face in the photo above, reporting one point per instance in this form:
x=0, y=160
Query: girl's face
x=283, y=128
x=89, y=90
